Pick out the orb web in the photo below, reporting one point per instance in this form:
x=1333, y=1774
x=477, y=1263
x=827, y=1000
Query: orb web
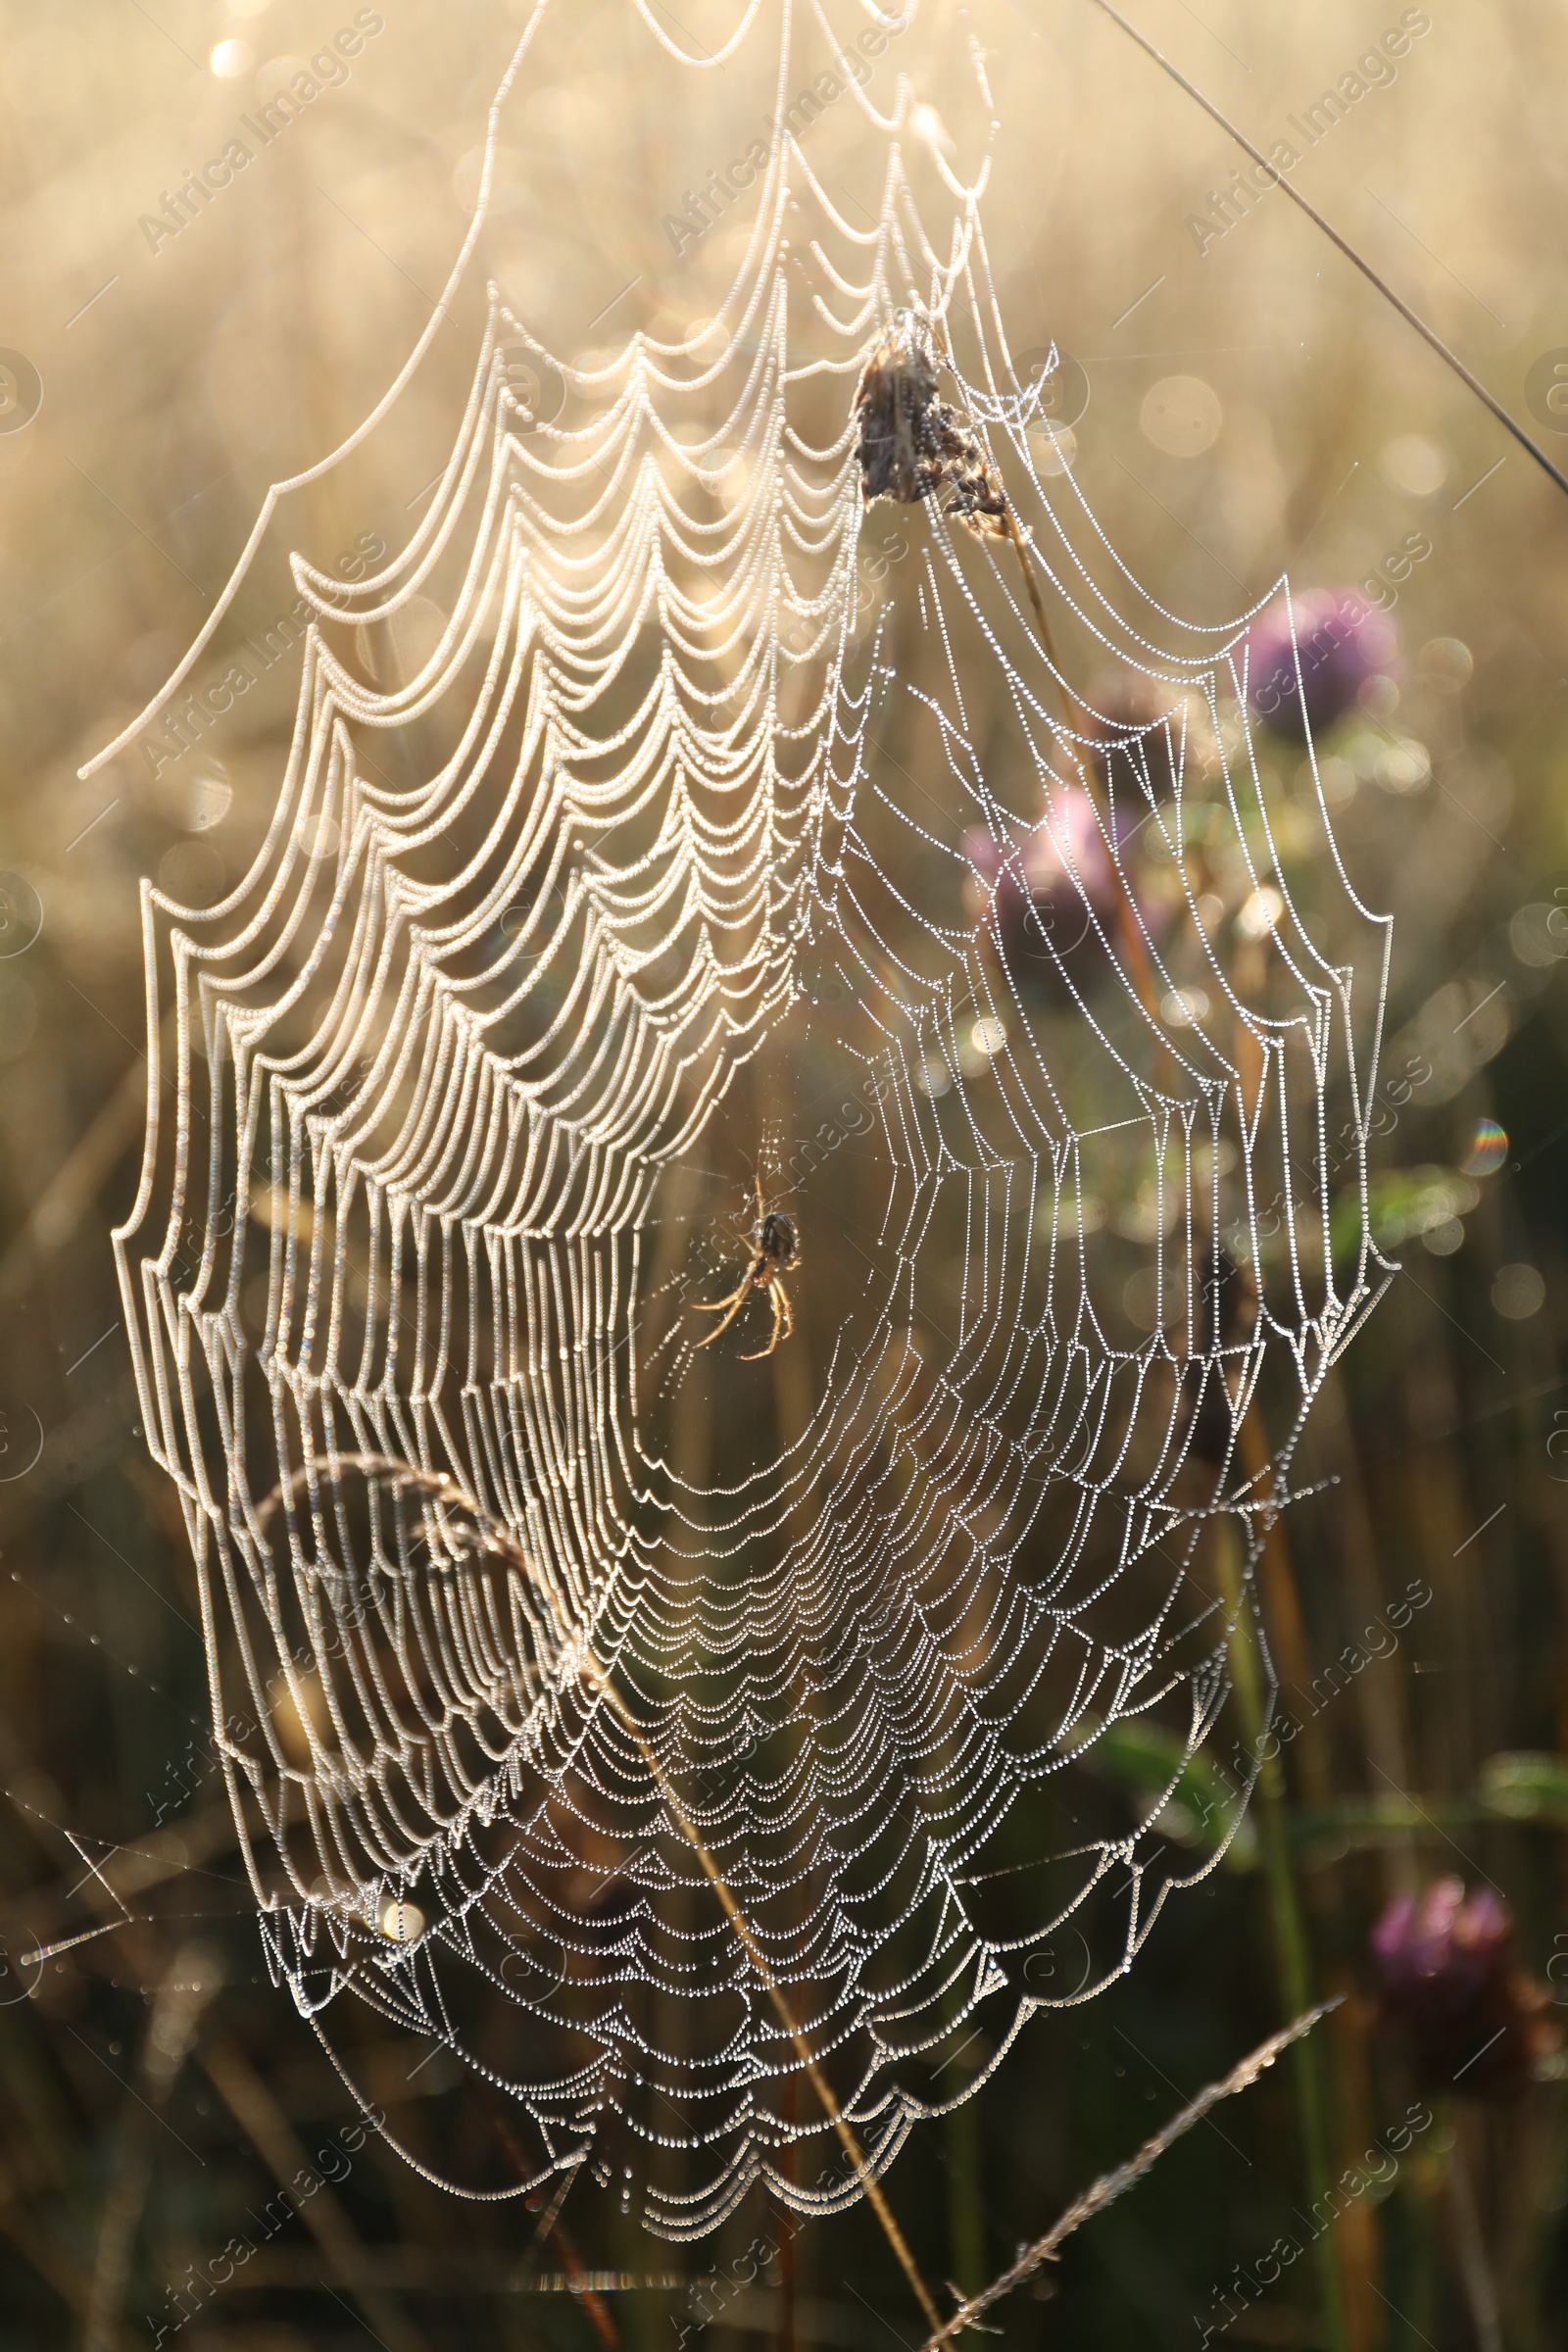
x=665, y=831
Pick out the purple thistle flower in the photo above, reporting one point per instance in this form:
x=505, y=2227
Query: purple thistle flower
x=1470, y=2019
x=1049, y=883
x=1135, y=729
x=1340, y=641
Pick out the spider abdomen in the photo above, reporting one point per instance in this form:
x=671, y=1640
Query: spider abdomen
x=776, y=1240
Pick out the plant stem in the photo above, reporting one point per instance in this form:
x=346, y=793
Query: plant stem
x=967, y=2210
x=1110, y=2186
x=1411, y=317
x=753, y=1952
x=1291, y=1958
x=1470, y=2252
x=1128, y=921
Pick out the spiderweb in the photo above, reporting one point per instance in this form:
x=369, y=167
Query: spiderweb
x=713, y=836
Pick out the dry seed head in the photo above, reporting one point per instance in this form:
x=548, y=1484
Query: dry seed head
x=912, y=443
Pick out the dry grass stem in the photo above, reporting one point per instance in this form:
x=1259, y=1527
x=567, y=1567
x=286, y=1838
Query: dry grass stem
x=1110, y=2186
x=819, y=2080
x=1411, y=317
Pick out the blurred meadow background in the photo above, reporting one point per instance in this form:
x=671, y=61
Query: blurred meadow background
x=1251, y=406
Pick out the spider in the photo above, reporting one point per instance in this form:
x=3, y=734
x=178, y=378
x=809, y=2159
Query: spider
x=773, y=1254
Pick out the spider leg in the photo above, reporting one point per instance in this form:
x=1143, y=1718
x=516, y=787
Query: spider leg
x=717, y=1306
x=783, y=1321
x=756, y=1356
